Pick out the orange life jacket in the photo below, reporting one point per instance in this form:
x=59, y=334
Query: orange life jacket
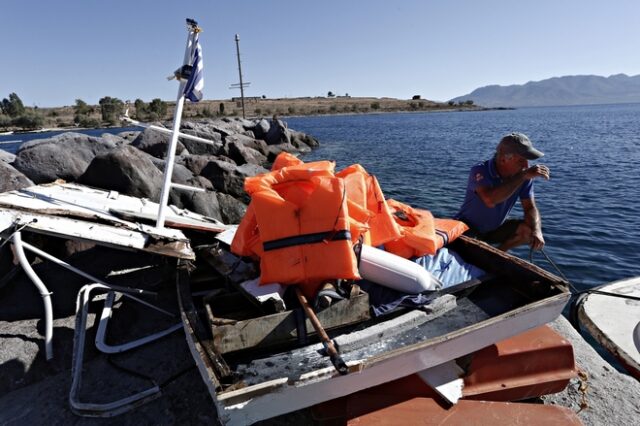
x=285, y=159
x=422, y=233
x=302, y=222
x=365, y=197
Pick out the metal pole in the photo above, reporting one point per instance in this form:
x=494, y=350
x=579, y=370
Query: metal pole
x=240, y=72
x=44, y=292
x=171, y=149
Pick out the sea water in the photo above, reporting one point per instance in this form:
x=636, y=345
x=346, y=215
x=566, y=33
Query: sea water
x=590, y=207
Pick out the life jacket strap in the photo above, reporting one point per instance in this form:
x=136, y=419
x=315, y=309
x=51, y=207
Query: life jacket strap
x=314, y=238
x=444, y=236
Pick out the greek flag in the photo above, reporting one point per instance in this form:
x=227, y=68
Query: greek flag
x=195, y=84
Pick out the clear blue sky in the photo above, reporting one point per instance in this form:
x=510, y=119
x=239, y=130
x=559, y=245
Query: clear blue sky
x=54, y=52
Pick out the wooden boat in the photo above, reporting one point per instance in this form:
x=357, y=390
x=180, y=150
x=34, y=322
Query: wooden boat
x=612, y=317
x=257, y=365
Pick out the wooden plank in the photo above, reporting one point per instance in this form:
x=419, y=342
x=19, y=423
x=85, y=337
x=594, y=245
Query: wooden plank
x=280, y=328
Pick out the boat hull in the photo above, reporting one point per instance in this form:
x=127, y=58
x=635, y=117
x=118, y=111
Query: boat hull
x=269, y=389
x=615, y=321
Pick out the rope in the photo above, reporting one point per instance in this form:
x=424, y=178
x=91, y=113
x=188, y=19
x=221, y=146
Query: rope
x=574, y=290
x=18, y=229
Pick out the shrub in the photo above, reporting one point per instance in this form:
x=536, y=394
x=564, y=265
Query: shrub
x=375, y=105
x=28, y=121
x=89, y=122
x=291, y=110
x=258, y=111
x=333, y=108
x=5, y=121
x=111, y=108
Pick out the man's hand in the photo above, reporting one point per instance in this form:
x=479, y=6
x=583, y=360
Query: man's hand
x=537, y=240
x=539, y=170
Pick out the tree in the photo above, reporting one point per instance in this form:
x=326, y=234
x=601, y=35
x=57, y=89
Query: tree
x=141, y=108
x=416, y=97
x=111, y=108
x=158, y=107
x=330, y=94
x=221, y=108
x=13, y=106
x=81, y=107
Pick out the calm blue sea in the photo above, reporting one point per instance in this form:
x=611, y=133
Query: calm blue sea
x=590, y=207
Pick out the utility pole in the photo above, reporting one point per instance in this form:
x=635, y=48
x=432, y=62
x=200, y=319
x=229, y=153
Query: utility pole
x=240, y=85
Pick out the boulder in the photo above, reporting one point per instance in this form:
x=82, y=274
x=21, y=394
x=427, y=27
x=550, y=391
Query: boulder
x=11, y=179
x=115, y=139
x=261, y=128
x=298, y=139
x=129, y=136
x=274, y=150
x=204, y=203
x=65, y=156
x=278, y=133
x=127, y=170
x=229, y=178
x=203, y=131
x=155, y=143
x=231, y=208
x=250, y=142
x=196, y=163
x=242, y=154
x=7, y=157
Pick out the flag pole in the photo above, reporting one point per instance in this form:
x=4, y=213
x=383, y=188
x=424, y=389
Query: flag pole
x=193, y=29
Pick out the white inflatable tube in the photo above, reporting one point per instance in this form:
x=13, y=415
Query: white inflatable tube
x=393, y=271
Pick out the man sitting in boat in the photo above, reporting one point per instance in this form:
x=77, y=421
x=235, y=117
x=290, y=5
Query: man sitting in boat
x=492, y=190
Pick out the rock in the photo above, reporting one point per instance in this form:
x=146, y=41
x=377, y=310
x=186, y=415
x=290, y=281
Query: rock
x=229, y=178
x=196, y=163
x=277, y=133
x=11, y=179
x=129, y=136
x=250, y=142
x=231, y=208
x=261, y=128
x=7, y=157
x=155, y=143
x=274, y=150
x=242, y=154
x=64, y=156
x=205, y=203
x=127, y=170
x=299, y=138
x=115, y=139
x=203, y=131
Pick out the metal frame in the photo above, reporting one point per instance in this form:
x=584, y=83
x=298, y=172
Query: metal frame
x=104, y=347
x=88, y=408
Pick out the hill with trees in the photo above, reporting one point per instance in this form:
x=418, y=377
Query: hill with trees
x=15, y=116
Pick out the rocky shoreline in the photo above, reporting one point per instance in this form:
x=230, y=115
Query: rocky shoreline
x=132, y=163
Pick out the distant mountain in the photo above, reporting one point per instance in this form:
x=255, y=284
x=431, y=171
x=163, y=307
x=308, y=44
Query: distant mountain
x=567, y=90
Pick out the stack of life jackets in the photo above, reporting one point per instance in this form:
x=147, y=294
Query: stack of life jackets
x=304, y=219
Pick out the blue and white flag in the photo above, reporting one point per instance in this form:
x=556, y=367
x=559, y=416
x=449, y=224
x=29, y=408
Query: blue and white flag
x=195, y=84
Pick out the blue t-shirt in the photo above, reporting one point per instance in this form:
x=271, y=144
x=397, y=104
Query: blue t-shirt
x=474, y=212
